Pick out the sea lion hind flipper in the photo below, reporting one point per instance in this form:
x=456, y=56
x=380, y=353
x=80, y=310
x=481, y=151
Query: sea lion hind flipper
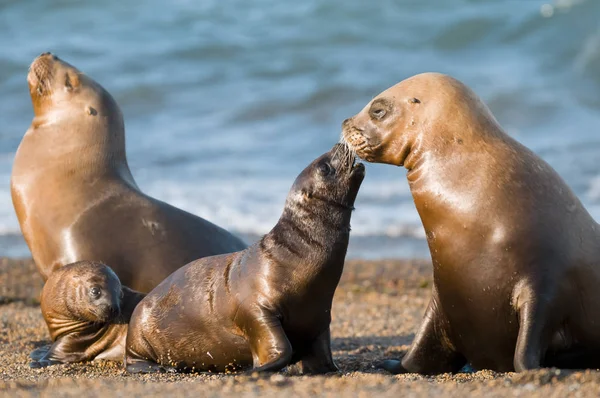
x=56, y=354
x=270, y=347
x=319, y=360
x=431, y=352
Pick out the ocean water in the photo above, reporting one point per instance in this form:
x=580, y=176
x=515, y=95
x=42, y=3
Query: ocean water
x=226, y=101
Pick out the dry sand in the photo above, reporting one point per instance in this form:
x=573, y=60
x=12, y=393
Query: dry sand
x=377, y=309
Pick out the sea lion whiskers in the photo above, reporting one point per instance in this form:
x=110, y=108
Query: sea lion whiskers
x=43, y=76
x=346, y=155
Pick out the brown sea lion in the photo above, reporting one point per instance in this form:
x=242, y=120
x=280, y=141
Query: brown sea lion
x=265, y=307
x=87, y=311
x=76, y=199
x=516, y=257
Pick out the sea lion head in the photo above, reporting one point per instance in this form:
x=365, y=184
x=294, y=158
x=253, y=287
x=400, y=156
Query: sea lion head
x=59, y=91
x=333, y=178
x=84, y=292
x=430, y=109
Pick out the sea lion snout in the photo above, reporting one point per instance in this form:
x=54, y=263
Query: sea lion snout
x=338, y=177
x=106, y=311
x=41, y=75
x=358, y=139
x=109, y=311
x=344, y=159
x=48, y=75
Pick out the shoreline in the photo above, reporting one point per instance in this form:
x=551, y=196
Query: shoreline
x=377, y=309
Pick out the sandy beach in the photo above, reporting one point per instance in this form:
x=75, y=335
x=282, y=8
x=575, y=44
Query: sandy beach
x=377, y=309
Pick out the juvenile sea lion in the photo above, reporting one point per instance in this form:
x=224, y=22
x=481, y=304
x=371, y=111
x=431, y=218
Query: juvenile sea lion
x=265, y=307
x=76, y=199
x=516, y=257
x=87, y=311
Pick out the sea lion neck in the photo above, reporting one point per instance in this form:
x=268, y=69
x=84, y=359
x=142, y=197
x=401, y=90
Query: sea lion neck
x=83, y=153
x=447, y=145
x=310, y=234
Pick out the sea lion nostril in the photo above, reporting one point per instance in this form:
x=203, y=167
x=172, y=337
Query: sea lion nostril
x=46, y=53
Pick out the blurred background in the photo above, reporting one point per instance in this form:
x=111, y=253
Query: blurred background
x=226, y=101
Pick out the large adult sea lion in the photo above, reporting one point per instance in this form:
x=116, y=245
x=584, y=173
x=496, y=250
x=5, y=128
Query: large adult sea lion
x=516, y=257
x=76, y=199
x=267, y=306
x=87, y=312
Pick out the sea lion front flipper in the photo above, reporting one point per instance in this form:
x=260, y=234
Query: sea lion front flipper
x=319, y=360
x=39, y=352
x=271, y=349
x=533, y=330
x=56, y=354
x=143, y=366
x=431, y=351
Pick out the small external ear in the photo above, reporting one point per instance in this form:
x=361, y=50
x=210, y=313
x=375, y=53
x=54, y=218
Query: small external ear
x=414, y=101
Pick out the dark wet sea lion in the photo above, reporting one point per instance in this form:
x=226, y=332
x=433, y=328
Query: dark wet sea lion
x=76, y=199
x=265, y=307
x=516, y=257
x=87, y=312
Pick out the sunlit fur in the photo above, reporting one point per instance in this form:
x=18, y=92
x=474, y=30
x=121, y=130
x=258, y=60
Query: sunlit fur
x=516, y=256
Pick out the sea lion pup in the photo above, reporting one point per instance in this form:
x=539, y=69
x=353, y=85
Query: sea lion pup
x=265, y=307
x=76, y=199
x=87, y=311
x=516, y=257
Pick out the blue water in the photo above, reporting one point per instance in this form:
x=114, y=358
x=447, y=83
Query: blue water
x=225, y=102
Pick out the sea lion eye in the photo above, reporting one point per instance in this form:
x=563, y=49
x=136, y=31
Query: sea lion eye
x=325, y=169
x=378, y=113
x=380, y=108
x=95, y=292
x=68, y=85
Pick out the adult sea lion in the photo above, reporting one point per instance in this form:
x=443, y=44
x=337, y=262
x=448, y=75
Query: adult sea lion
x=516, y=257
x=265, y=307
x=75, y=197
x=87, y=311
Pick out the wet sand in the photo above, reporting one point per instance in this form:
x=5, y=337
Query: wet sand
x=377, y=309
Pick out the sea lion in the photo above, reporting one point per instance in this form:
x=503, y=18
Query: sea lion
x=74, y=194
x=87, y=311
x=516, y=257
x=265, y=307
